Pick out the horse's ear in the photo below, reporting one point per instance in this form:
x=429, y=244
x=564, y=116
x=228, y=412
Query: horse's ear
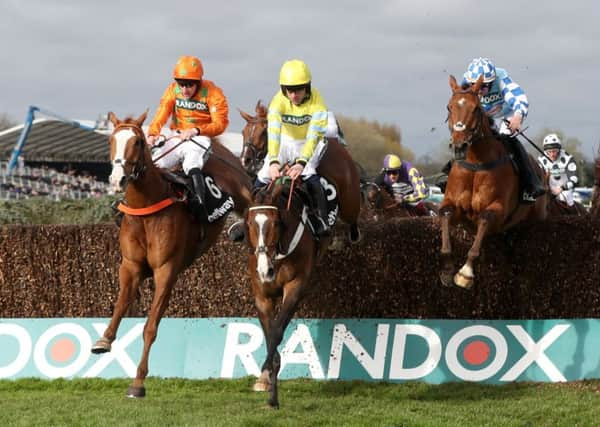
x=140, y=119
x=245, y=115
x=453, y=83
x=259, y=106
x=475, y=88
x=113, y=119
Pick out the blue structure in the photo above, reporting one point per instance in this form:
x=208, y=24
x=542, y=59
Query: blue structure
x=27, y=127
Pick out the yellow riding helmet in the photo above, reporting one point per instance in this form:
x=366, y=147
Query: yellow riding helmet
x=391, y=162
x=294, y=73
x=188, y=68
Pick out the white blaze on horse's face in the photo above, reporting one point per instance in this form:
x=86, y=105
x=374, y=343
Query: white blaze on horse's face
x=118, y=162
x=264, y=267
x=460, y=126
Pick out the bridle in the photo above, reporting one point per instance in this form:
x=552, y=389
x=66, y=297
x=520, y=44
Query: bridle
x=138, y=167
x=257, y=155
x=473, y=134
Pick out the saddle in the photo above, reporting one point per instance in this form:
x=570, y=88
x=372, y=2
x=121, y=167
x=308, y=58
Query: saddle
x=218, y=202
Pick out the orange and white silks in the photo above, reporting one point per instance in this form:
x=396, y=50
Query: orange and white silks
x=207, y=110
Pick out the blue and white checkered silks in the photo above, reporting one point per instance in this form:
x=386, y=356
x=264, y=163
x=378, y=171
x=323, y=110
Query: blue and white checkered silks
x=480, y=66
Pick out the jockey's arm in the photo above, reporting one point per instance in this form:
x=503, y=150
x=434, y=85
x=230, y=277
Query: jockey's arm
x=571, y=171
x=421, y=190
x=514, y=97
x=315, y=133
x=273, y=135
x=219, y=113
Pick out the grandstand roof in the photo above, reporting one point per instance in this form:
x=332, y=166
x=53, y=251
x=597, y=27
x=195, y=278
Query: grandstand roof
x=51, y=140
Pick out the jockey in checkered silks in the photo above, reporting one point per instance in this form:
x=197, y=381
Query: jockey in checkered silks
x=505, y=103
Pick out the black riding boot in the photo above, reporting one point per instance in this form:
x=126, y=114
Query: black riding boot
x=532, y=184
x=200, y=190
x=319, y=198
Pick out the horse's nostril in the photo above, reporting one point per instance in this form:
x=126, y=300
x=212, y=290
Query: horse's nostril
x=270, y=272
x=122, y=182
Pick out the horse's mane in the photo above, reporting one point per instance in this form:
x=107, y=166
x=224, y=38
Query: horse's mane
x=277, y=194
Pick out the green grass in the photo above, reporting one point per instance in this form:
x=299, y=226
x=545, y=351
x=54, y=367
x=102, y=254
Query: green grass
x=43, y=211
x=179, y=402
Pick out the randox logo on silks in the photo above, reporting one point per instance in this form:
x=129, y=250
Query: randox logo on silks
x=296, y=120
x=188, y=104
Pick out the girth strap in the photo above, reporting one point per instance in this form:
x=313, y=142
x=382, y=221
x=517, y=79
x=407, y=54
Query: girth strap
x=476, y=167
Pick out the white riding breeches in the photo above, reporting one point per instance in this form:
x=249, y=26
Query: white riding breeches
x=190, y=154
x=289, y=151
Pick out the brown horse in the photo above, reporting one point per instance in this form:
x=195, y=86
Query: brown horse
x=283, y=256
x=383, y=205
x=483, y=187
x=254, y=137
x=336, y=166
x=159, y=244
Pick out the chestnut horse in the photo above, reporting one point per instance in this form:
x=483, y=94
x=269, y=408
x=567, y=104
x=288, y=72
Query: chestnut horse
x=283, y=256
x=483, y=187
x=163, y=243
x=336, y=166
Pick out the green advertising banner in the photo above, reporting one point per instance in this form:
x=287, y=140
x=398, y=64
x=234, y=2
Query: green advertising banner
x=392, y=350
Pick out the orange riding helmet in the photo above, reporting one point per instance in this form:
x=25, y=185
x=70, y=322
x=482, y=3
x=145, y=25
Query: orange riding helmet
x=188, y=68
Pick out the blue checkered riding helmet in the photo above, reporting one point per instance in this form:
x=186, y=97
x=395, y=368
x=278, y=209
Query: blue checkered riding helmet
x=478, y=67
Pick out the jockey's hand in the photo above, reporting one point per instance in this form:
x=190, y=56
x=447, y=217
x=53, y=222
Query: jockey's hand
x=188, y=133
x=514, y=123
x=295, y=171
x=398, y=198
x=151, y=140
x=274, y=171
x=556, y=190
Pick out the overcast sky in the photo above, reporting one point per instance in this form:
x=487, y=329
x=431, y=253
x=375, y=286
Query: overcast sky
x=381, y=60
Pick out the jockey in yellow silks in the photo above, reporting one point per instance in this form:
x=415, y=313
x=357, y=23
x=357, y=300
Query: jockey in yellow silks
x=297, y=125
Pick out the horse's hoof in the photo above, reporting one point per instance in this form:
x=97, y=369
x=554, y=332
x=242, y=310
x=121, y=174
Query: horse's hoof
x=103, y=345
x=136, y=392
x=273, y=405
x=446, y=279
x=261, y=386
x=463, y=281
